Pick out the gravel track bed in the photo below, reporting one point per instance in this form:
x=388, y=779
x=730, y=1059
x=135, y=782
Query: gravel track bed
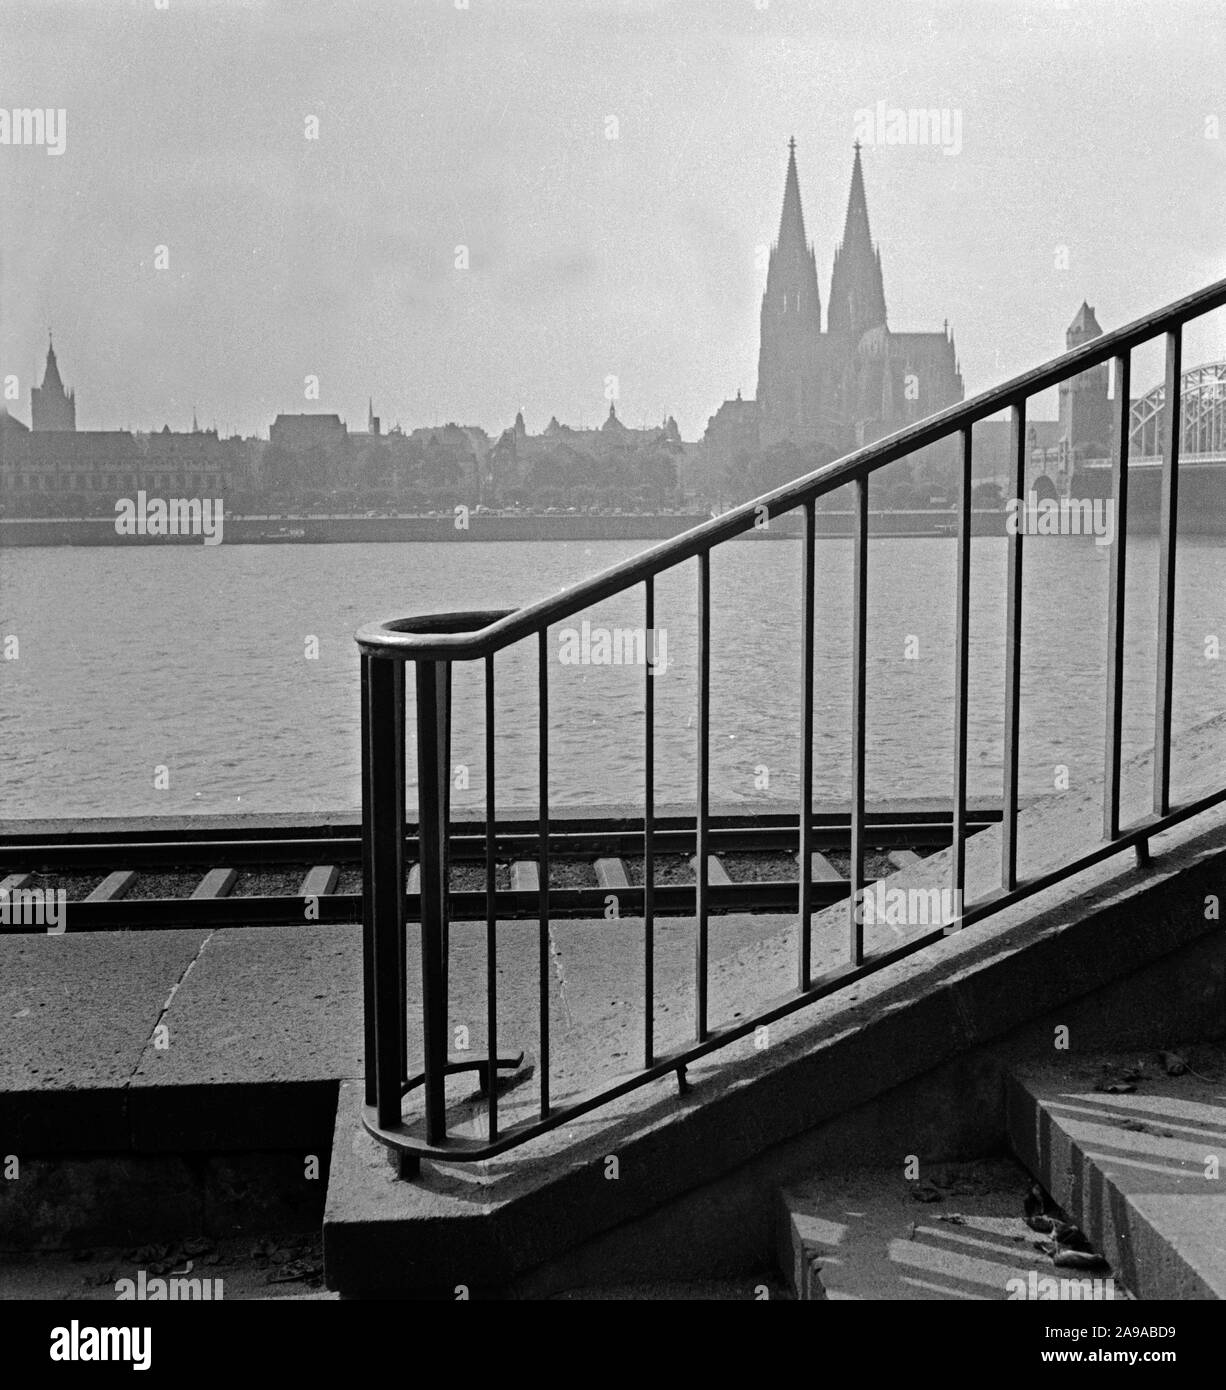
x=760, y=868
x=670, y=870
x=470, y=878
x=75, y=886
x=167, y=883
x=283, y=882
x=876, y=862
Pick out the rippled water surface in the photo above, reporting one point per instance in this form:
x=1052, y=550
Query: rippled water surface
x=195, y=660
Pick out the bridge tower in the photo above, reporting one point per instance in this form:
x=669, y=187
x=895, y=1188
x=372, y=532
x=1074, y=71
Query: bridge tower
x=1085, y=409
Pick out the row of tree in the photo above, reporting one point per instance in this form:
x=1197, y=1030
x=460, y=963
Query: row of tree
x=905, y=485
x=565, y=477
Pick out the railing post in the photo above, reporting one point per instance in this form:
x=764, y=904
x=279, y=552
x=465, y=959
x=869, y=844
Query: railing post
x=803, y=978
x=368, y=949
x=1013, y=650
x=1167, y=525
x=702, y=821
x=433, y=786
x=1115, y=602
x=491, y=899
x=544, y=963
x=384, y=889
x=859, y=691
x=649, y=828
x=962, y=650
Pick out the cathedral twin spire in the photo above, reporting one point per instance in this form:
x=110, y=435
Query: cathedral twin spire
x=857, y=292
x=832, y=386
x=792, y=220
x=791, y=279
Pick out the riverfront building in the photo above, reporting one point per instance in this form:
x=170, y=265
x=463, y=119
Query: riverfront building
x=53, y=466
x=52, y=407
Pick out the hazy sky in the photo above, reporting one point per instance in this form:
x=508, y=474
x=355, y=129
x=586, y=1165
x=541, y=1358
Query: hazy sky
x=1084, y=124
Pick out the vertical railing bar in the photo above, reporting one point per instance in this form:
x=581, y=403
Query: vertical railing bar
x=859, y=640
x=444, y=764
x=702, y=819
x=1166, y=575
x=543, y=962
x=433, y=781
x=386, y=887
x=962, y=647
x=649, y=816
x=803, y=977
x=368, y=947
x=1013, y=648
x=491, y=910
x=1115, y=601
x=403, y=942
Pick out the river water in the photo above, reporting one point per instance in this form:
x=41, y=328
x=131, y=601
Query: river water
x=196, y=660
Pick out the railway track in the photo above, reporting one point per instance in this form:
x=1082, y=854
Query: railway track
x=235, y=876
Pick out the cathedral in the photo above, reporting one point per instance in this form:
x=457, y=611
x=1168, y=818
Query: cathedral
x=850, y=382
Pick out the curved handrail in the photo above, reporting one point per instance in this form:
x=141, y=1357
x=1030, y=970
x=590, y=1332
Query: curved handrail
x=393, y=639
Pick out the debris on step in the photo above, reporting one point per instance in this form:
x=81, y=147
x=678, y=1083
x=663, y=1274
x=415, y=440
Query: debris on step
x=1143, y=1127
x=1079, y=1259
x=926, y=1192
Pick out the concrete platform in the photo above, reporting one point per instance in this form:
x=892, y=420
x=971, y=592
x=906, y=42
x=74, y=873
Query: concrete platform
x=258, y=1027
x=76, y=1014
x=1138, y=1167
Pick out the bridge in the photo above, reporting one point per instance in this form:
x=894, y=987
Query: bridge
x=1202, y=411
x=1202, y=452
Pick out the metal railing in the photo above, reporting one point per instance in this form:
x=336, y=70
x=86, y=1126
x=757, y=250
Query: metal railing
x=434, y=643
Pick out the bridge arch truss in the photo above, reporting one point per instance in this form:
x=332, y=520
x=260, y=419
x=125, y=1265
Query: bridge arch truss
x=1202, y=414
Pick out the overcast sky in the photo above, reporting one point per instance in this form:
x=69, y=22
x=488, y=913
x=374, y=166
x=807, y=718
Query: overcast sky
x=1084, y=125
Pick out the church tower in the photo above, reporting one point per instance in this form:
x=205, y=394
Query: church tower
x=51, y=407
x=857, y=294
x=790, y=380
x=1085, y=409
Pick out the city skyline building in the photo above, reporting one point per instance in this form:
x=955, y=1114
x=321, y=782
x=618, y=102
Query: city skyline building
x=52, y=406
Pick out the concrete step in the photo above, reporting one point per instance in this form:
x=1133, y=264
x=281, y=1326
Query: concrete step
x=956, y=1232
x=1134, y=1155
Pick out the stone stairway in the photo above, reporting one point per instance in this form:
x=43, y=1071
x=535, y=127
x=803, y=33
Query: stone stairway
x=1133, y=1149
x=1117, y=1153
x=958, y=1233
